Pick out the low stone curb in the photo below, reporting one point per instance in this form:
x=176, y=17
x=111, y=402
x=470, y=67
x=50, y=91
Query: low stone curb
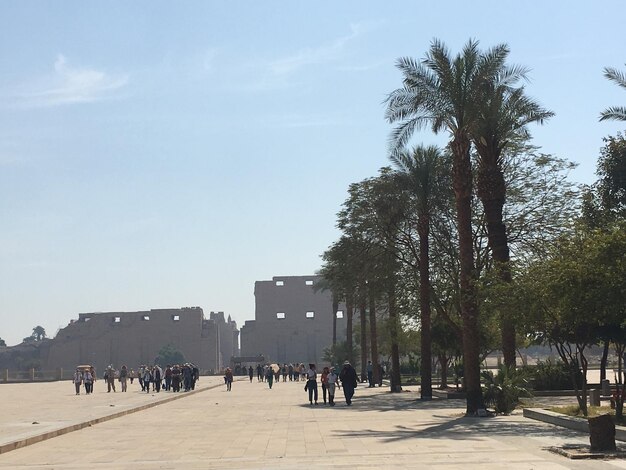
x=13, y=445
x=569, y=422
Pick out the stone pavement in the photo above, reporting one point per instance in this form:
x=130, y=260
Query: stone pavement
x=254, y=427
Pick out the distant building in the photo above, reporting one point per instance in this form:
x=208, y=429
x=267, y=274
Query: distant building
x=134, y=338
x=293, y=321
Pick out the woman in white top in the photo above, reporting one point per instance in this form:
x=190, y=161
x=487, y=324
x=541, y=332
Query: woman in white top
x=311, y=383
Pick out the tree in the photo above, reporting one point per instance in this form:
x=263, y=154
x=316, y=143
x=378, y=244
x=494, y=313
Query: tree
x=425, y=173
x=614, y=113
x=169, y=354
x=39, y=333
x=504, y=114
x=444, y=92
x=371, y=217
x=612, y=176
x=575, y=293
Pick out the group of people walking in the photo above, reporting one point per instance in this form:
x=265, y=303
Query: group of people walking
x=329, y=379
x=175, y=378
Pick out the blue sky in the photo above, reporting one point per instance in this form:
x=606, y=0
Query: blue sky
x=169, y=154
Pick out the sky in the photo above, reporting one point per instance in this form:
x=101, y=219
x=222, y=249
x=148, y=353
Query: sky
x=170, y=154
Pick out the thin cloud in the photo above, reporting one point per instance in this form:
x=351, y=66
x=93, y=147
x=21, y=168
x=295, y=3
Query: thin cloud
x=301, y=121
x=71, y=85
x=317, y=55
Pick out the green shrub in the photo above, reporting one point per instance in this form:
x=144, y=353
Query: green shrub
x=503, y=391
x=550, y=375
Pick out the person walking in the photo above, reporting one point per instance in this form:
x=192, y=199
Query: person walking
x=88, y=381
x=157, y=377
x=370, y=374
x=124, y=378
x=250, y=373
x=147, y=377
x=311, y=383
x=110, y=376
x=348, y=379
x=333, y=381
x=228, y=376
x=269, y=375
x=78, y=380
x=168, y=378
x=324, y=380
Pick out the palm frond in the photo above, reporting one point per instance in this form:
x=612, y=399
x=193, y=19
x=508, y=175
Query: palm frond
x=615, y=76
x=614, y=113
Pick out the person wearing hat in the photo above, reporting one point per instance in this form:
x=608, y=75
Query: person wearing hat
x=311, y=383
x=349, y=380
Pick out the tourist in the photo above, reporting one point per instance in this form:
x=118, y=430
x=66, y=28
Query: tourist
x=187, y=377
x=332, y=380
x=176, y=374
x=123, y=378
x=157, y=376
x=78, y=380
x=284, y=372
x=132, y=375
x=370, y=374
x=348, y=379
x=88, y=381
x=228, y=378
x=277, y=374
x=250, y=373
x=290, y=369
x=259, y=373
x=147, y=377
x=195, y=375
x=110, y=378
x=269, y=375
x=302, y=371
x=324, y=380
x=140, y=374
x=168, y=378
x=311, y=383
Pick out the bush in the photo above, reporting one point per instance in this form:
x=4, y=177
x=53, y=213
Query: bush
x=504, y=390
x=550, y=375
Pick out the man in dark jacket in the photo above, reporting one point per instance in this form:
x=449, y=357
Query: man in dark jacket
x=348, y=379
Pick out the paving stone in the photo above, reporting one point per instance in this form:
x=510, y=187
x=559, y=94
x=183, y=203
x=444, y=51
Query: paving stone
x=254, y=427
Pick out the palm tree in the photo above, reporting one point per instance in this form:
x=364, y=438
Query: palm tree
x=504, y=115
x=614, y=113
x=424, y=172
x=443, y=92
x=39, y=333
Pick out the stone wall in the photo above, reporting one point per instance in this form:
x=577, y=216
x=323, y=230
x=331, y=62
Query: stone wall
x=293, y=322
x=134, y=338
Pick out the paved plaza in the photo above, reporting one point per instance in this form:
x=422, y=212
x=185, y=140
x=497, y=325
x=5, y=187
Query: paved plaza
x=254, y=427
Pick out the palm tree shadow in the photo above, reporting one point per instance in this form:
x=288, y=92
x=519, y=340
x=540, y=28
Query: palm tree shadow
x=462, y=428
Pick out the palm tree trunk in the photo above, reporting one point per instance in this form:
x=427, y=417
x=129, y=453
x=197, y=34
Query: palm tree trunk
x=492, y=193
x=462, y=184
x=373, y=338
x=426, y=391
x=349, y=312
x=335, y=308
x=394, y=325
x=363, y=313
